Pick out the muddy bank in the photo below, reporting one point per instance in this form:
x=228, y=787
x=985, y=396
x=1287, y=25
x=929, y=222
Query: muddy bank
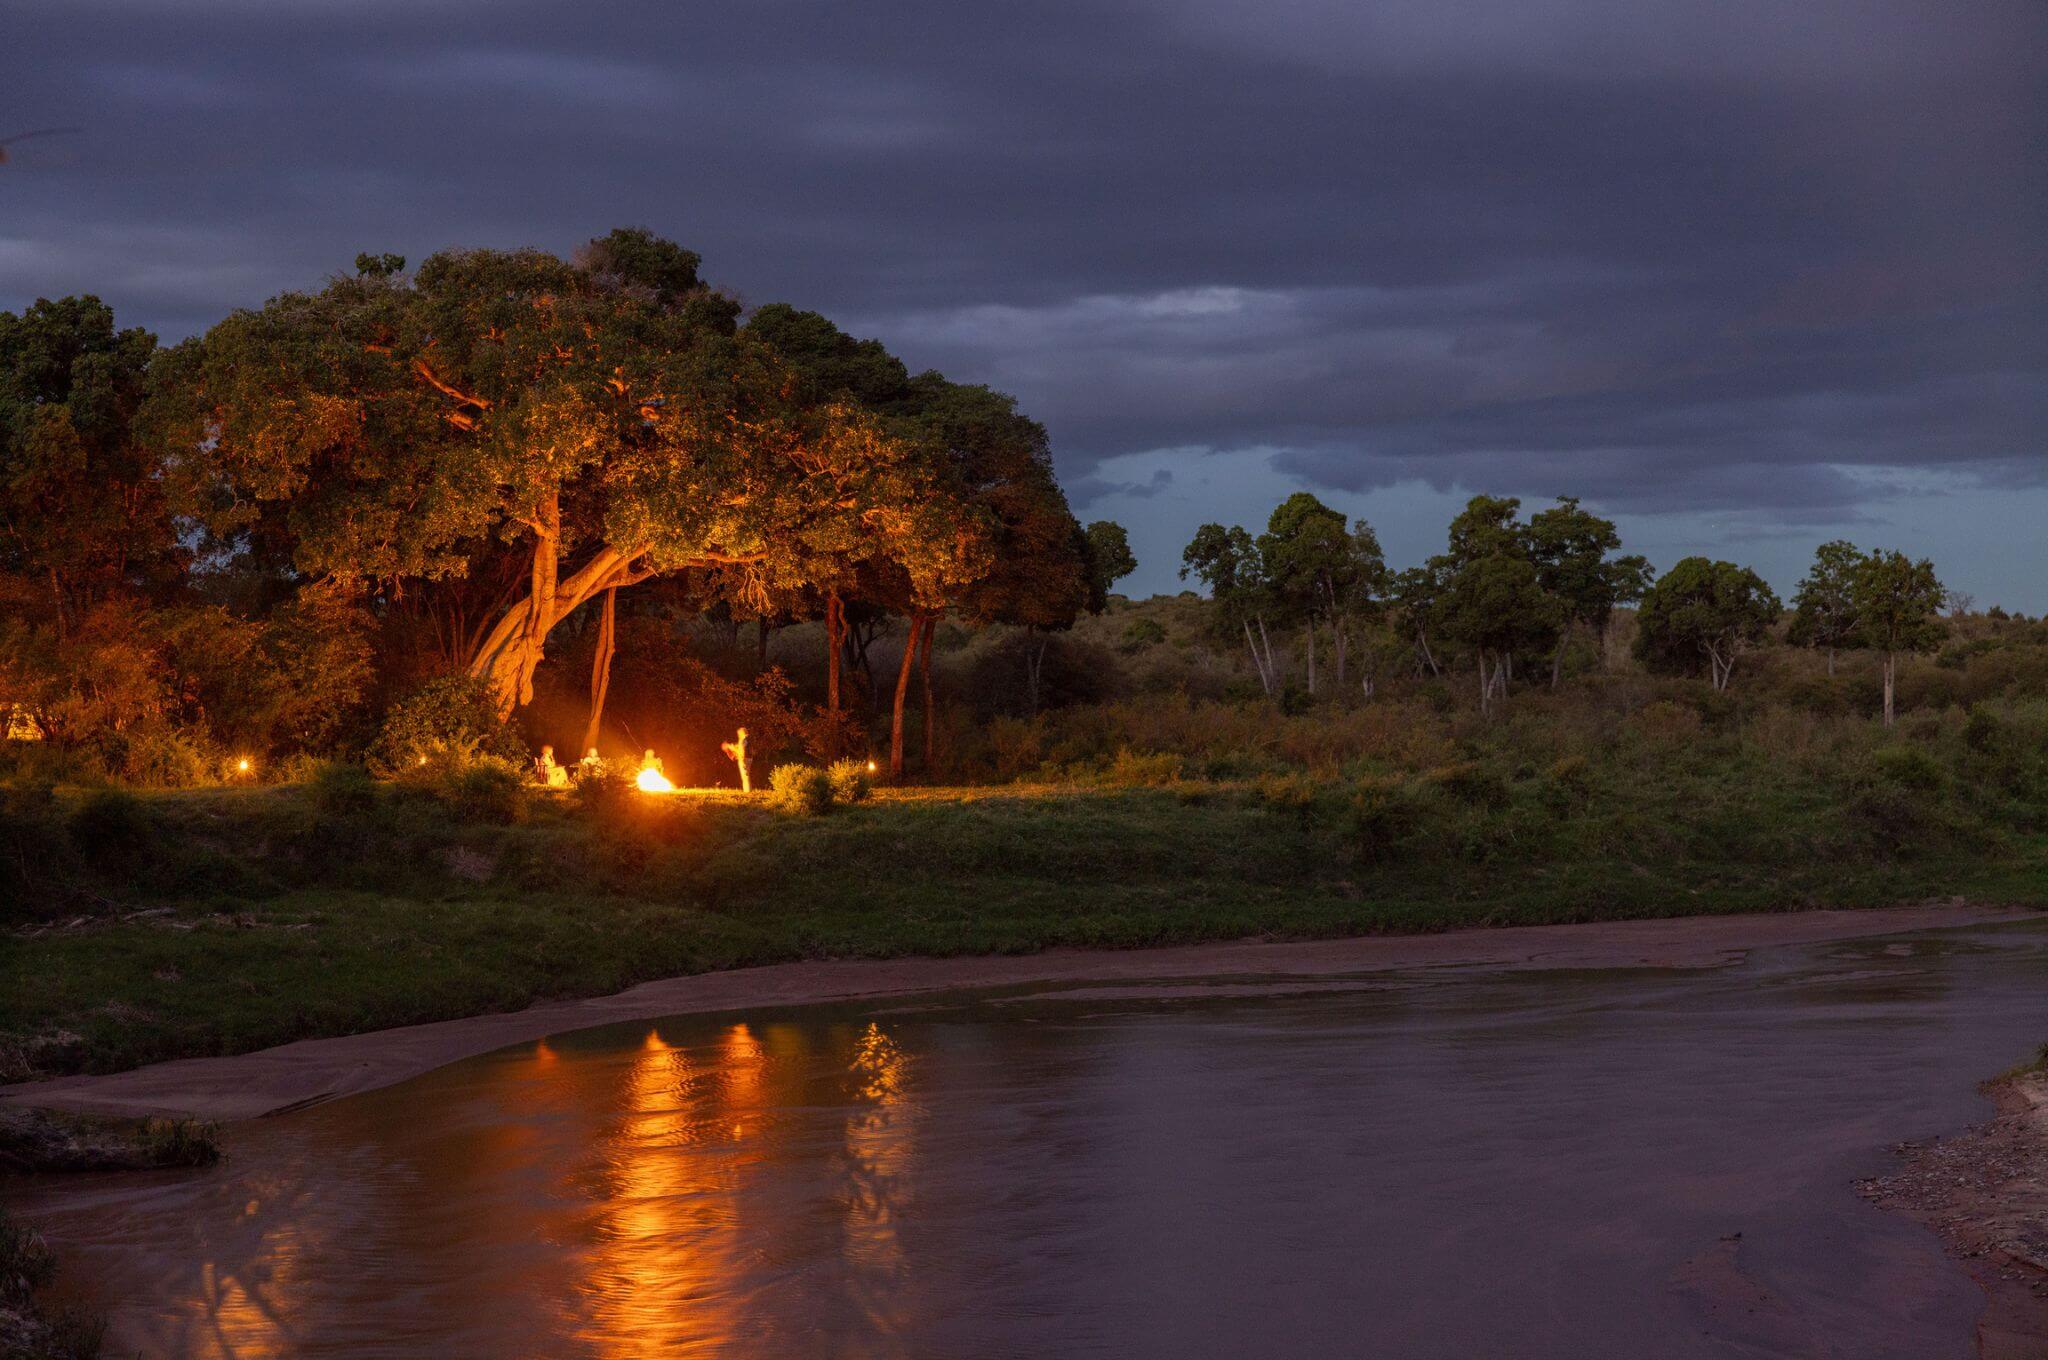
x=1985, y=1193
x=292, y=1075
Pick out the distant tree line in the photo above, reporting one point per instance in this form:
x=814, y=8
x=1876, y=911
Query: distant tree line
x=1508, y=591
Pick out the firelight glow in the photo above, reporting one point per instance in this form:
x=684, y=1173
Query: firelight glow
x=654, y=781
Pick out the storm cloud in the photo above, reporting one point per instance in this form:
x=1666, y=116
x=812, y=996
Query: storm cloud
x=1743, y=273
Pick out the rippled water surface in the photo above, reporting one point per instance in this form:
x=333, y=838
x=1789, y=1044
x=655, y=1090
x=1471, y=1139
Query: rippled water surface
x=1439, y=1163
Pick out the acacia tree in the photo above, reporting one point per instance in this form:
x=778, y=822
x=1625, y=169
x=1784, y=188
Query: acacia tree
x=1492, y=596
x=1319, y=571
x=1106, y=559
x=1417, y=597
x=1228, y=562
x=1896, y=602
x=1570, y=547
x=1824, y=606
x=603, y=419
x=1703, y=611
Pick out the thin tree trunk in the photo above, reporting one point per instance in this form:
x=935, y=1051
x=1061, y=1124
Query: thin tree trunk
x=601, y=667
x=1266, y=646
x=1831, y=663
x=1265, y=685
x=1339, y=629
x=1485, y=685
x=1890, y=665
x=902, y=692
x=833, y=640
x=1034, y=669
x=924, y=675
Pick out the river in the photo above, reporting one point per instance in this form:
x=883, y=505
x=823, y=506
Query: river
x=1453, y=1162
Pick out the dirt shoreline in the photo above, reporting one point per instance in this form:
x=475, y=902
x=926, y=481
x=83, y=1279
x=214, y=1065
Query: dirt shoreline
x=1984, y=1192
x=274, y=1080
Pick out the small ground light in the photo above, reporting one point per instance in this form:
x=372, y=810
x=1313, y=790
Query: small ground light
x=871, y=767
x=242, y=765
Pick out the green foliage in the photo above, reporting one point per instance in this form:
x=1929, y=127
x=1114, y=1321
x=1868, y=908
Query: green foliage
x=112, y=827
x=1911, y=768
x=1140, y=634
x=1106, y=553
x=1471, y=783
x=1570, y=547
x=1824, y=606
x=1703, y=613
x=1897, y=602
x=1384, y=816
x=342, y=790
x=446, y=721
x=800, y=790
x=484, y=789
x=851, y=780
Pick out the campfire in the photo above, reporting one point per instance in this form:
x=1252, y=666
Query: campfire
x=653, y=781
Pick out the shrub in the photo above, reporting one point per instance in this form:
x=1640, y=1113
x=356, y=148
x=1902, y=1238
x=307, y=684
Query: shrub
x=603, y=791
x=1292, y=793
x=1568, y=784
x=1142, y=769
x=1140, y=634
x=341, y=790
x=1909, y=767
x=1982, y=730
x=799, y=790
x=484, y=790
x=446, y=721
x=1383, y=817
x=159, y=756
x=112, y=827
x=1472, y=784
x=851, y=782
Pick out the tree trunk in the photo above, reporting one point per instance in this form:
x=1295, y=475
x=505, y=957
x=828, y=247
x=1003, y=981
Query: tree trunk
x=1890, y=670
x=508, y=653
x=902, y=692
x=1831, y=663
x=834, y=640
x=1338, y=628
x=924, y=676
x=1265, y=685
x=1557, y=662
x=601, y=667
x=1034, y=669
x=1266, y=648
x=1485, y=684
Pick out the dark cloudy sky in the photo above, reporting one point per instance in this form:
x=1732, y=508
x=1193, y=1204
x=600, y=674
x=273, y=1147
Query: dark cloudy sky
x=1744, y=273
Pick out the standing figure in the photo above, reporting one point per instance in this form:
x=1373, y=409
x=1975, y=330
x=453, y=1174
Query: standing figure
x=736, y=751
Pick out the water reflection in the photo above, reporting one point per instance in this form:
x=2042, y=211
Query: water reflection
x=1540, y=1164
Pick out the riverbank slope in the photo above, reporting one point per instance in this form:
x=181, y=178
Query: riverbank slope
x=226, y=921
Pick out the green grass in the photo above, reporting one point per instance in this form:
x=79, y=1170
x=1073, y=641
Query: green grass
x=265, y=919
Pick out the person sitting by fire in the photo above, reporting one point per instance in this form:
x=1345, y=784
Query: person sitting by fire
x=591, y=765
x=651, y=761
x=736, y=751
x=546, y=772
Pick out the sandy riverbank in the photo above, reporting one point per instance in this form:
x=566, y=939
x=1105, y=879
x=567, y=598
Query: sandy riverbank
x=253, y=1084
x=1985, y=1192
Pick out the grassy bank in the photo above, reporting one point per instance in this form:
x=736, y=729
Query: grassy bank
x=204, y=922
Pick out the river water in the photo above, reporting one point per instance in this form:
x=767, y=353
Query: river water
x=1448, y=1162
